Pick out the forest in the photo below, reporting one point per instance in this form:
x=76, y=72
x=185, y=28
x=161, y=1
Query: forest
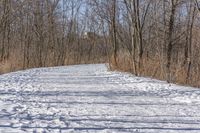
x=151, y=38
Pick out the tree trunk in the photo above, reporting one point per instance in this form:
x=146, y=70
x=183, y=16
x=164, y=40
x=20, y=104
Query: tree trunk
x=170, y=39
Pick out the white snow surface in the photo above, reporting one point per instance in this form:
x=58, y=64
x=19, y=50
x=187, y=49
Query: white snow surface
x=89, y=98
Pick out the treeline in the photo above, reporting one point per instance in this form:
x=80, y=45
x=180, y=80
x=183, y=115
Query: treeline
x=40, y=33
x=156, y=38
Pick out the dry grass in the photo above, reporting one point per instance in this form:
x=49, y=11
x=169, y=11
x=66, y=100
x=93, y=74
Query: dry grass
x=152, y=68
x=16, y=61
x=13, y=63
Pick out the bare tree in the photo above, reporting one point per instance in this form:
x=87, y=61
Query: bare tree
x=146, y=37
x=197, y=4
x=174, y=4
x=189, y=39
x=137, y=24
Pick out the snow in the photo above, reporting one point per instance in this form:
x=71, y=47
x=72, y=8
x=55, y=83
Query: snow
x=89, y=98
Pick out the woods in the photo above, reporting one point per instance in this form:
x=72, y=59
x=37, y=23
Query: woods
x=154, y=38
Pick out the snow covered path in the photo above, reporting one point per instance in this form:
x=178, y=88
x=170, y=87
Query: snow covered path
x=88, y=98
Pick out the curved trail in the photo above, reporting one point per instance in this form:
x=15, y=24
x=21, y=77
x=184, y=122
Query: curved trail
x=89, y=98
